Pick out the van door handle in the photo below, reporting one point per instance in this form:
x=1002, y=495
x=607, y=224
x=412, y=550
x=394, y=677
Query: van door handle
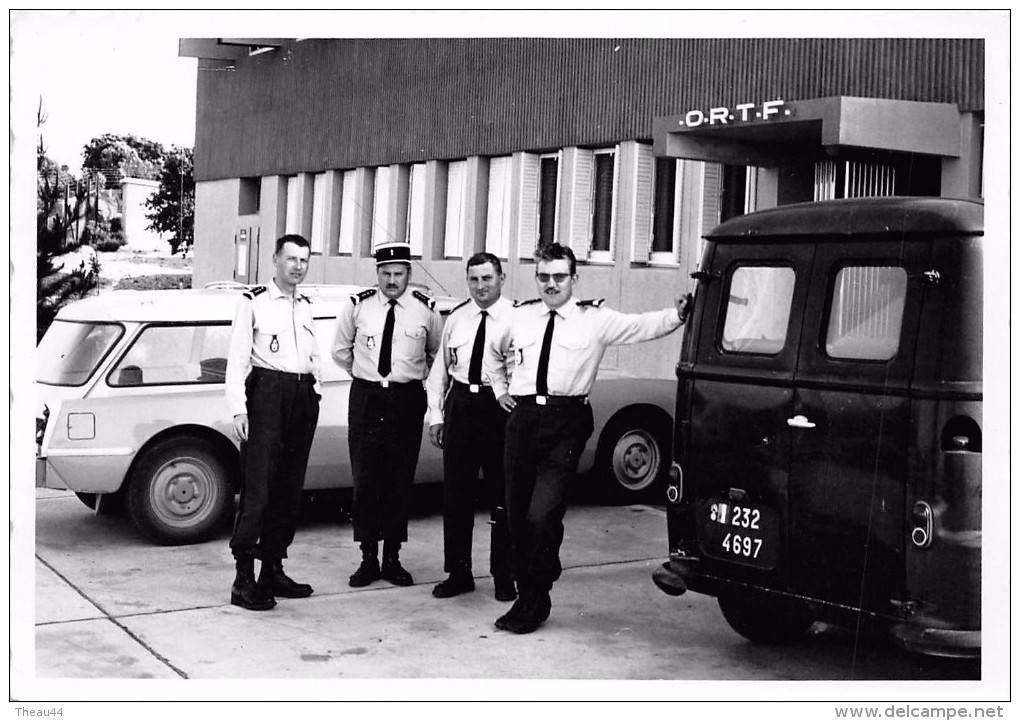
x=799, y=422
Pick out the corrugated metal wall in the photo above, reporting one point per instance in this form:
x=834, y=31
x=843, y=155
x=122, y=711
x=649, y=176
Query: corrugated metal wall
x=321, y=104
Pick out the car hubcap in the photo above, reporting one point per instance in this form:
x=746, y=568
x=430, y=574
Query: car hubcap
x=181, y=489
x=636, y=460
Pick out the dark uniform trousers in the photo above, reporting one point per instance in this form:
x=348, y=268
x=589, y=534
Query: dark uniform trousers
x=384, y=429
x=283, y=411
x=473, y=439
x=543, y=447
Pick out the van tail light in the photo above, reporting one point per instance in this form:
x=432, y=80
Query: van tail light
x=923, y=522
x=675, y=489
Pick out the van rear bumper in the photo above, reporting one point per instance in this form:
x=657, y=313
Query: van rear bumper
x=947, y=642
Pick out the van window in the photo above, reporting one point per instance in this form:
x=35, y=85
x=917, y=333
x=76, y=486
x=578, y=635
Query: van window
x=867, y=313
x=70, y=352
x=175, y=354
x=758, y=309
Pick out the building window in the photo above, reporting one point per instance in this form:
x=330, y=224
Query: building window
x=852, y=179
x=664, y=215
x=548, y=195
x=498, y=217
x=319, y=200
x=669, y=208
x=416, y=210
x=348, y=213
x=249, y=198
x=603, y=192
x=456, y=209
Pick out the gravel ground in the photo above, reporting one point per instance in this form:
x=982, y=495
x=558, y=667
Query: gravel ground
x=118, y=265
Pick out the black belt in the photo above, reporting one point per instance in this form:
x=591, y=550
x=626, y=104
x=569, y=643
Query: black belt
x=270, y=373
x=553, y=400
x=385, y=384
x=472, y=387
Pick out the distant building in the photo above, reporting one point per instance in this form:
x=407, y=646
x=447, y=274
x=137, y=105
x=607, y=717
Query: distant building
x=626, y=149
x=134, y=192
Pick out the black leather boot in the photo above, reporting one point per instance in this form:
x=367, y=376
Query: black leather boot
x=460, y=581
x=245, y=592
x=392, y=571
x=368, y=571
x=272, y=576
x=535, y=609
x=505, y=588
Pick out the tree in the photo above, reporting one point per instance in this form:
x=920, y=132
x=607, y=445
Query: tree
x=127, y=154
x=57, y=212
x=173, y=204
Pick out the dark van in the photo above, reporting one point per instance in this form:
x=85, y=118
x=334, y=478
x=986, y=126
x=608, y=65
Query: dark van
x=827, y=445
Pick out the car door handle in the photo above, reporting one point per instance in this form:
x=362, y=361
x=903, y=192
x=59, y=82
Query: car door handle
x=799, y=422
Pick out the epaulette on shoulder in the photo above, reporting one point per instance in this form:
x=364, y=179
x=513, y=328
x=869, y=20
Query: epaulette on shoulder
x=363, y=295
x=305, y=298
x=251, y=293
x=459, y=306
x=594, y=303
x=519, y=303
x=425, y=298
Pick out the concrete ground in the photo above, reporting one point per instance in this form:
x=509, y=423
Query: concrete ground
x=110, y=606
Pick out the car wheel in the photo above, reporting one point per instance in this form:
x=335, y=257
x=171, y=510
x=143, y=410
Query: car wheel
x=633, y=455
x=764, y=620
x=180, y=492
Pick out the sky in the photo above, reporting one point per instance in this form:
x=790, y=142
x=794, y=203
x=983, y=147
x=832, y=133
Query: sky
x=102, y=72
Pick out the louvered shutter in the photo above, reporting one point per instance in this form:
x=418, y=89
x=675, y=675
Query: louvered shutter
x=453, y=244
x=497, y=220
x=581, y=193
x=416, y=210
x=318, y=239
x=641, y=219
x=527, y=226
x=292, y=223
x=348, y=210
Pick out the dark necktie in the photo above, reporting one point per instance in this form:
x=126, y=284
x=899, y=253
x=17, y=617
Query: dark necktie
x=475, y=369
x=541, y=380
x=386, y=349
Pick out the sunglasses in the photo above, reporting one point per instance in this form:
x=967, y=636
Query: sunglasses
x=557, y=277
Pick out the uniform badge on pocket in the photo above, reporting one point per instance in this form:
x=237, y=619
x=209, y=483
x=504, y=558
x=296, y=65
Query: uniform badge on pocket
x=274, y=344
x=370, y=341
x=519, y=356
x=453, y=356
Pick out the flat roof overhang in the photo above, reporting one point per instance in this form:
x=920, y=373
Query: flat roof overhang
x=806, y=129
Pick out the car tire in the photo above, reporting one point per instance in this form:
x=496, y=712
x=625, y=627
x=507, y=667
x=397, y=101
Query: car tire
x=764, y=620
x=180, y=492
x=633, y=453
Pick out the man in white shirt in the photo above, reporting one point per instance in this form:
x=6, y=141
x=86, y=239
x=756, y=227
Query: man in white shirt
x=273, y=393
x=554, y=345
x=387, y=338
x=468, y=424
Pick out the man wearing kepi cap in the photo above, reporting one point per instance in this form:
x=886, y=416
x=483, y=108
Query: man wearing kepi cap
x=554, y=344
x=386, y=338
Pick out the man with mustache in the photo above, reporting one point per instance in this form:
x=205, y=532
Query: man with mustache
x=386, y=338
x=553, y=345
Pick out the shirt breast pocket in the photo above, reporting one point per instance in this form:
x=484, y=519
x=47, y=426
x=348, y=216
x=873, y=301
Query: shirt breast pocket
x=274, y=335
x=368, y=335
x=573, y=346
x=526, y=352
x=414, y=340
x=460, y=345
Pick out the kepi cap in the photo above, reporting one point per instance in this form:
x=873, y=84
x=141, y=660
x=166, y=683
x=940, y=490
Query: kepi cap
x=392, y=253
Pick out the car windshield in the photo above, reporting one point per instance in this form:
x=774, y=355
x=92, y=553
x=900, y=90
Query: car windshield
x=70, y=352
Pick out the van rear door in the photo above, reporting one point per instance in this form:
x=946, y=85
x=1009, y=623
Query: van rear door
x=850, y=426
x=741, y=394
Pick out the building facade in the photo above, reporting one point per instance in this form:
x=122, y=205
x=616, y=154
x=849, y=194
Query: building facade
x=626, y=149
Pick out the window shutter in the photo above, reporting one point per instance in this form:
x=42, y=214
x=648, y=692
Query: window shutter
x=497, y=221
x=293, y=220
x=318, y=239
x=712, y=203
x=527, y=227
x=453, y=246
x=348, y=209
x=416, y=210
x=382, y=225
x=644, y=184
x=581, y=203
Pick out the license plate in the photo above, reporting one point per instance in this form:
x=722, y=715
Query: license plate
x=740, y=532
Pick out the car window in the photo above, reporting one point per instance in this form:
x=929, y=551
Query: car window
x=325, y=332
x=758, y=309
x=867, y=313
x=175, y=354
x=70, y=352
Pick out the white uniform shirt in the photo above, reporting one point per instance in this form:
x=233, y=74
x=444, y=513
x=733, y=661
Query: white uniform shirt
x=454, y=359
x=359, y=332
x=270, y=330
x=582, y=332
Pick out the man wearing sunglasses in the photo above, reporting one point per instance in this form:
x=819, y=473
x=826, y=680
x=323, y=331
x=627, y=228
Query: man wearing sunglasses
x=542, y=360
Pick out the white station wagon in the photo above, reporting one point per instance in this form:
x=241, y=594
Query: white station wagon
x=133, y=413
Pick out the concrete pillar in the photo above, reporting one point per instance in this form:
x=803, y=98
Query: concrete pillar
x=961, y=177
